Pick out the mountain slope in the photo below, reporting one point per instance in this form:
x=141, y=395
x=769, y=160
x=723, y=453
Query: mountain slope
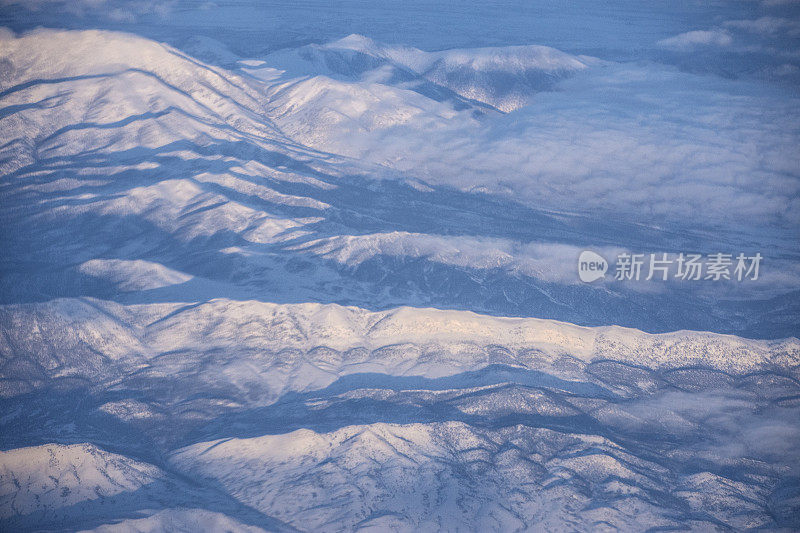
x=145, y=176
x=80, y=486
x=206, y=323
x=323, y=416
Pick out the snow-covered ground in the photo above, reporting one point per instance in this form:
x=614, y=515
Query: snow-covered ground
x=327, y=417
x=302, y=267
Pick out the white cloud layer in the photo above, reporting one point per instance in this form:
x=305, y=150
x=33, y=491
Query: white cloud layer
x=636, y=141
x=767, y=26
x=114, y=10
x=692, y=39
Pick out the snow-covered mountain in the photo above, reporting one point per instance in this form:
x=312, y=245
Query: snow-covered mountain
x=79, y=486
x=502, y=78
x=141, y=175
x=327, y=417
x=242, y=294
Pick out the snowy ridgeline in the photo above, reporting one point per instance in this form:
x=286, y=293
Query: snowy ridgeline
x=216, y=287
x=135, y=173
x=328, y=417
